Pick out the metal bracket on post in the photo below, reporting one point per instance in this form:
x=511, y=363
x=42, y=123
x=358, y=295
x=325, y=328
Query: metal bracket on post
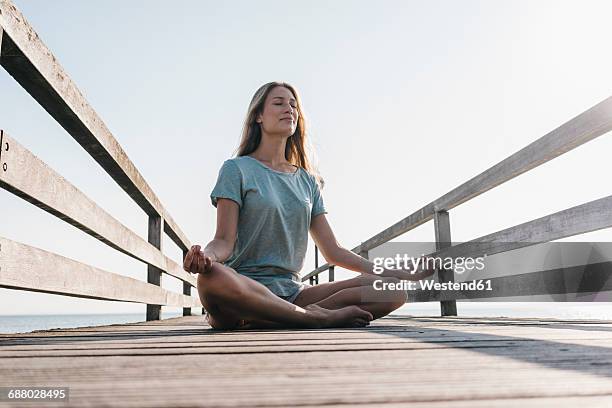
x=443, y=240
x=186, y=290
x=156, y=226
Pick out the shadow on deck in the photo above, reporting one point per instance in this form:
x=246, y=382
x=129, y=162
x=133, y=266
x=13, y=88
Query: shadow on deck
x=430, y=361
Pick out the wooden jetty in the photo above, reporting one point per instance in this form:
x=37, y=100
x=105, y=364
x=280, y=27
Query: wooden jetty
x=424, y=361
x=445, y=361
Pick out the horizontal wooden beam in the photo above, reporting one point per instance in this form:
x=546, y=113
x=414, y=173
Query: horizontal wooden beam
x=588, y=217
x=35, y=68
x=579, y=130
x=581, y=219
x=31, y=179
x=28, y=268
x=591, y=278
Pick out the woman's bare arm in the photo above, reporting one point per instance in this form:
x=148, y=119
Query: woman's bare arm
x=333, y=252
x=221, y=246
x=336, y=254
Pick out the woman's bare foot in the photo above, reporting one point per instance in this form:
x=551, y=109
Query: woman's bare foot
x=350, y=316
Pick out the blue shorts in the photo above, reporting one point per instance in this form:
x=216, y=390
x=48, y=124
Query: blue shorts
x=291, y=298
x=286, y=286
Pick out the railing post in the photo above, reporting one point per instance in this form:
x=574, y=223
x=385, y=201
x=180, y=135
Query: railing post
x=443, y=240
x=153, y=273
x=363, y=253
x=331, y=273
x=186, y=290
x=315, y=279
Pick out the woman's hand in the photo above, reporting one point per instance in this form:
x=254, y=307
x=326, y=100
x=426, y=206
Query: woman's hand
x=196, y=261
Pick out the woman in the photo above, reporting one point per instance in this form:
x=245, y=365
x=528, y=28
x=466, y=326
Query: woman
x=267, y=199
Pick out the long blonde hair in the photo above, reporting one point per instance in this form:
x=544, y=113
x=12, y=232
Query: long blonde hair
x=298, y=150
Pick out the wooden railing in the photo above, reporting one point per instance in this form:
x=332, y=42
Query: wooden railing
x=24, y=56
x=30, y=62
x=584, y=218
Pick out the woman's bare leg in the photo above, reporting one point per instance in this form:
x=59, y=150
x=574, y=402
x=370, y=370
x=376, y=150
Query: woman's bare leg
x=335, y=295
x=230, y=297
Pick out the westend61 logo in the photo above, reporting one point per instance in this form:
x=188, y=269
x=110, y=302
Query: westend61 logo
x=387, y=266
x=413, y=264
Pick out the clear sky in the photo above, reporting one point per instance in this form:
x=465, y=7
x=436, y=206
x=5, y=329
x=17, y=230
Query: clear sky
x=405, y=99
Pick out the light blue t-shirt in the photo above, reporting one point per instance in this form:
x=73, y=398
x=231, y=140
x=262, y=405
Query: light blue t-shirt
x=276, y=209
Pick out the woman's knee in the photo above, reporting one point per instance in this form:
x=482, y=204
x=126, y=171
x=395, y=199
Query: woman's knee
x=219, y=282
x=394, y=297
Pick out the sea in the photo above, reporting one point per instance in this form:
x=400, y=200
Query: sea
x=545, y=310
x=29, y=323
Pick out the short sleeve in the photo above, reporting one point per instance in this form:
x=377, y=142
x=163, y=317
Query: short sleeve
x=318, y=206
x=229, y=184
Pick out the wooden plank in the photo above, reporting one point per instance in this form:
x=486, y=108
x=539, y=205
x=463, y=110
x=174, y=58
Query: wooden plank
x=588, y=217
x=35, y=68
x=585, y=127
x=31, y=179
x=28, y=268
x=590, y=278
x=581, y=219
x=525, y=369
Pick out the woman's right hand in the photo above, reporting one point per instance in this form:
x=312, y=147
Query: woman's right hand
x=196, y=261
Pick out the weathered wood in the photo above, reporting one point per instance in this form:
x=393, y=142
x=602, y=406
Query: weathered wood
x=588, y=217
x=363, y=252
x=28, y=268
x=577, y=220
x=585, y=127
x=34, y=67
x=31, y=179
x=521, y=232
x=397, y=361
x=153, y=273
x=590, y=278
x=443, y=240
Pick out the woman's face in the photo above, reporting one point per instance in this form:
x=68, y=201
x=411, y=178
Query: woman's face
x=280, y=115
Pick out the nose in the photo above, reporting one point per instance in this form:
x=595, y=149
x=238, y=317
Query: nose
x=291, y=110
